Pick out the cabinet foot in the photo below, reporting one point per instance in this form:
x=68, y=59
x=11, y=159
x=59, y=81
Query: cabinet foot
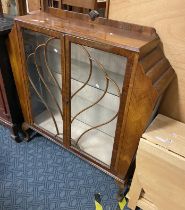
x=16, y=138
x=122, y=187
x=26, y=132
x=15, y=133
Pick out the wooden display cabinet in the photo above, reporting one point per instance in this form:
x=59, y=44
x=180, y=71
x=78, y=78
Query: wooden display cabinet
x=89, y=86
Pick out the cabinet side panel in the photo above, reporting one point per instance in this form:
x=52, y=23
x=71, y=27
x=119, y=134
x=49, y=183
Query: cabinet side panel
x=141, y=104
x=16, y=59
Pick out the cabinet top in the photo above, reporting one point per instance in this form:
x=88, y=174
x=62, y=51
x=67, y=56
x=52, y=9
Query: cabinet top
x=125, y=35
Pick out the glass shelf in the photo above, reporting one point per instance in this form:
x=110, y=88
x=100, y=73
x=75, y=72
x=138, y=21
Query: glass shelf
x=99, y=113
x=102, y=62
x=80, y=69
x=80, y=72
x=97, y=80
x=91, y=118
x=86, y=98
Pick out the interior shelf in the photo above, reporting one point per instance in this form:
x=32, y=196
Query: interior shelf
x=94, y=116
x=80, y=68
x=101, y=112
x=80, y=72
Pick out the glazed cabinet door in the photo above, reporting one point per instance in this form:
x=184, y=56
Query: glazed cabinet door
x=95, y=74
x=43, y=69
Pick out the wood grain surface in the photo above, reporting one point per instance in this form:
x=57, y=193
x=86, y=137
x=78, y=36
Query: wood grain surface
x=168, y=17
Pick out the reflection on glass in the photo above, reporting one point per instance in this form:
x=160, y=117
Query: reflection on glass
x=96, y=85
x=9, y=7
x=43, y=58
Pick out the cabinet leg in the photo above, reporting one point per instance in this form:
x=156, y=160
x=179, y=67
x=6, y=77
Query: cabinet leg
x=121, y=187
x=15, y=133
x=26, y=131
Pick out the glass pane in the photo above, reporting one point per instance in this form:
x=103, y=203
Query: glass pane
x=43, y=58
x=96, y=84
x=9, y=7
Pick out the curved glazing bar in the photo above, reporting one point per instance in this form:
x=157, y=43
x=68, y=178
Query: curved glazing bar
x=90, y=71
x=45, y=91
x=47, y=63
x=42, y=100
x=107, y=79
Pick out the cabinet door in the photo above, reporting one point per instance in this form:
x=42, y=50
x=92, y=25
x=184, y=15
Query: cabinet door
x=96, y=83
x=43, y=55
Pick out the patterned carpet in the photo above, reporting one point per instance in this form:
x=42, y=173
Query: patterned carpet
x=40, y=175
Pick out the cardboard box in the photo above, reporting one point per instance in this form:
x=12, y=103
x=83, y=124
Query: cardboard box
x=159, y=179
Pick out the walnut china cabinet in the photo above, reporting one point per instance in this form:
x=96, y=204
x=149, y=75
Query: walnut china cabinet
x=90, y=86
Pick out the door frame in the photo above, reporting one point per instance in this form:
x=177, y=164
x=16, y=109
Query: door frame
x=24, y=93
x=123, y=99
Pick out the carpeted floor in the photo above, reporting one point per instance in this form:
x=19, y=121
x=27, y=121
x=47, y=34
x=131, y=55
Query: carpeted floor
x=40, y=175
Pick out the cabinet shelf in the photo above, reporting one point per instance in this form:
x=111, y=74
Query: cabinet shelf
x=92, y=117
x=96, y=115
x=99, y=113
x=80, y=72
